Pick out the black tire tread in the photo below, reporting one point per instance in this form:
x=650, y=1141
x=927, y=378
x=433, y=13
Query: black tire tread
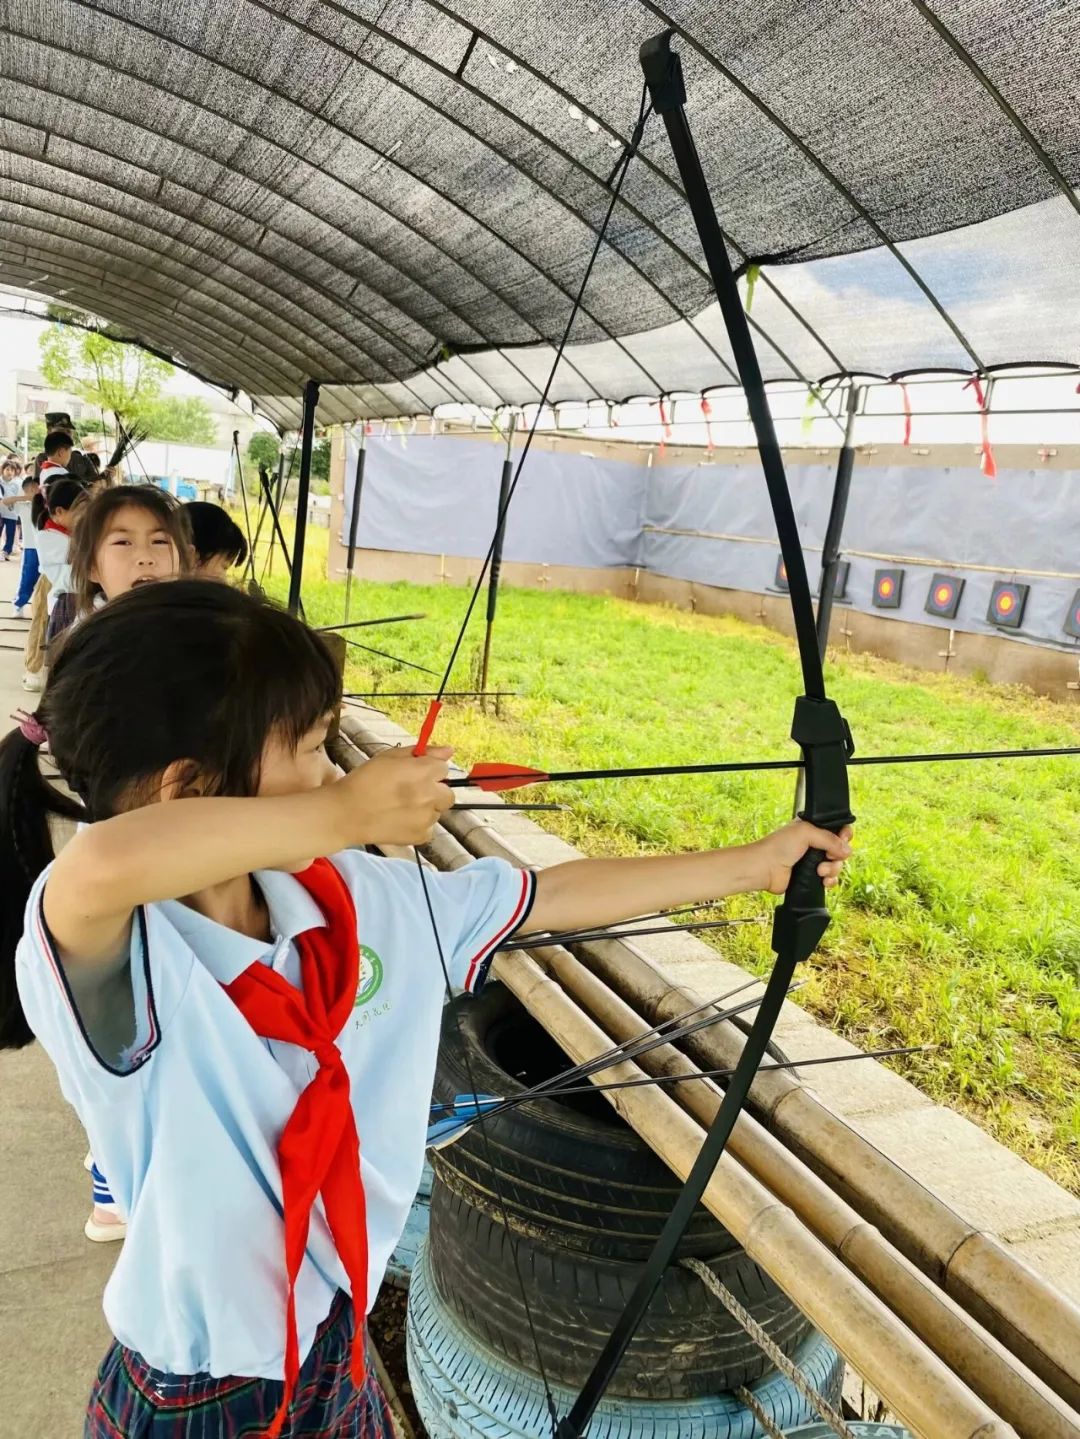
x=687, y=1346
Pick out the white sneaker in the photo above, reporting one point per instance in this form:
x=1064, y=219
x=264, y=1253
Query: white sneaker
x=88, y=1162
x=21, y=612
x=104, y=1225
x=34, y=683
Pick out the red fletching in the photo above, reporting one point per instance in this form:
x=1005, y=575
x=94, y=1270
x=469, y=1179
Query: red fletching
x=426, y=728
x=496, y=777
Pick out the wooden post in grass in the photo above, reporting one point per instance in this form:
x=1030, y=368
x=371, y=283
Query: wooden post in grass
x=505, y=483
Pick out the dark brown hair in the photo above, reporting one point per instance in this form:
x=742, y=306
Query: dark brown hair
x=183, y=671
x=94, y=521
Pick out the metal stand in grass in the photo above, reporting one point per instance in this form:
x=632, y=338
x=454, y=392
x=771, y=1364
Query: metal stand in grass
x=505, y=482
x=253, y=582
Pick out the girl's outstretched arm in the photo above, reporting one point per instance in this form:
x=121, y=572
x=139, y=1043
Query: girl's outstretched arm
x=179, y=845
x=589, y=892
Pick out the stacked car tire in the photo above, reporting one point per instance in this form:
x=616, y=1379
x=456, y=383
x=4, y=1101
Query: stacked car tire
x=540, y=1220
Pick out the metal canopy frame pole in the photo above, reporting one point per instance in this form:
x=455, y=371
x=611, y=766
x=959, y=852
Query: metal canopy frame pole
x=505, y=483
x=354, y=516
x=307, y=438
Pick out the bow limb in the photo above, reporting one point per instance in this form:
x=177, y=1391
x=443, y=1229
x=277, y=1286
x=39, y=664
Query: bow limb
x=818, y=728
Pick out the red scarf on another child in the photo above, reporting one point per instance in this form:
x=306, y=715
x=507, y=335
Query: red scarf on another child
x=319, y=1149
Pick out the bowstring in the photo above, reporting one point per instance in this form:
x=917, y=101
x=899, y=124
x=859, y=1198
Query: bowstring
x=615, y=184
x=615, y=181
x=489, y=1157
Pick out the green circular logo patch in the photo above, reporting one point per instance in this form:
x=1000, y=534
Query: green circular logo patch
x=371, y=976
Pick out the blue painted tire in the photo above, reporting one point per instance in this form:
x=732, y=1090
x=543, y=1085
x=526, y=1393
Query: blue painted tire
x=464, y=1391
x=399, y=1270
x=864, y=1428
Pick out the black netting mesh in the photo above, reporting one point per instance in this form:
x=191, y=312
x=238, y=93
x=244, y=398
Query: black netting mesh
x=399, y=197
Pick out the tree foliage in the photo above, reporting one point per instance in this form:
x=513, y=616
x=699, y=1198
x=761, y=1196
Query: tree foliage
x=263, y=448
x=181, y=419
x=120, y=379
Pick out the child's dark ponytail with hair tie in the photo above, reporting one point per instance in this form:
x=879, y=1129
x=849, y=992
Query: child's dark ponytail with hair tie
x=27, y=802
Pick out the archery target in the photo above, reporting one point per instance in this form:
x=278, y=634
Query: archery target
x=1072, y=619
x=780, y=578
x=1007, y=603
x=888, y=587
x=840, y=588
x=943, y=597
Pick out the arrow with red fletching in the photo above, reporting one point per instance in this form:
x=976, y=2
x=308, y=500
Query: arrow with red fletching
x=497, y=777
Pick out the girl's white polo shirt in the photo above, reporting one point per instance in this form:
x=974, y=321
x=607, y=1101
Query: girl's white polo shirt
x=185, y=1124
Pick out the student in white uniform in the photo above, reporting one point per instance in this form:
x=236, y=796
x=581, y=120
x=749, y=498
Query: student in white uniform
x=55, y=513
x=194, y=975
x=19, y=501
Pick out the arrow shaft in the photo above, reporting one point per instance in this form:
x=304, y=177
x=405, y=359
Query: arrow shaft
x=745, y=766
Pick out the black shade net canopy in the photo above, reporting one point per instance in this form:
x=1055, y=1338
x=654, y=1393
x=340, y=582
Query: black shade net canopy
x=398, y=198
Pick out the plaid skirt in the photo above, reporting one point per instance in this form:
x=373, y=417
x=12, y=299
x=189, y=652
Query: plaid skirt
x=62, y=618
x=132, y=1401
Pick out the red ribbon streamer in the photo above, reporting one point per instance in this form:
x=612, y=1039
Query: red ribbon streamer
x=907, y=414
x=667, y=427
x=987, y=464
x=706, y=411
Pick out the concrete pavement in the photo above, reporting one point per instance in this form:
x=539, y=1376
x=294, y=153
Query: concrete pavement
x=52, y=1333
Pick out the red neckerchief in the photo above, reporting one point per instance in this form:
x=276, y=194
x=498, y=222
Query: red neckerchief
x=51, y=524
x=319, y=1149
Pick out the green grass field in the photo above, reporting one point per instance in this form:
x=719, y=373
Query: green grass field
x=957, y=925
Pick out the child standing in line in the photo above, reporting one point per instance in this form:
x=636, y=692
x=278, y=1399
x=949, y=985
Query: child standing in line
x=219, y=540
x=10, y=493
x=55, y=512
x=192, y=971
x=128, y=536
x=21, y=503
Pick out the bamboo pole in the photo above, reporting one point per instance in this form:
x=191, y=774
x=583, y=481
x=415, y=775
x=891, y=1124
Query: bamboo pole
x=912, y=1380
x=1031, y=1318
x=984, y=1364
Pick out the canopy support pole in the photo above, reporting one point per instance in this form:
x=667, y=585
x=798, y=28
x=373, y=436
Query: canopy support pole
x=307, y=436
x=354, y=517
x=505, y=483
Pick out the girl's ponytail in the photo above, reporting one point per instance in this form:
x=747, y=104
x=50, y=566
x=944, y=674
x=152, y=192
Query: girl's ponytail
x=27, y=801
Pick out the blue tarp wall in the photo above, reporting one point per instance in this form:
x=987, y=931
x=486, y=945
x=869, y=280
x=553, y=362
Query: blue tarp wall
x=438, y=495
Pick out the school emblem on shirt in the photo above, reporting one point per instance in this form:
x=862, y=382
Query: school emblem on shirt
x=371, y=976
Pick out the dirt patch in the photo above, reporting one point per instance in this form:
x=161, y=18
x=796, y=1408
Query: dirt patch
x=387, y=1325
